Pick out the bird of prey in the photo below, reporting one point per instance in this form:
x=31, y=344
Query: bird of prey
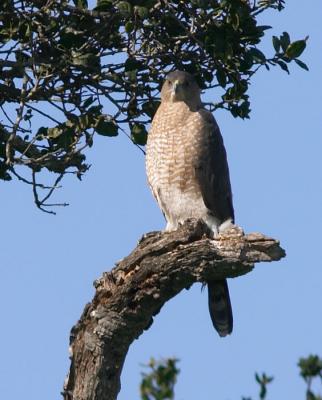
x=188, y=173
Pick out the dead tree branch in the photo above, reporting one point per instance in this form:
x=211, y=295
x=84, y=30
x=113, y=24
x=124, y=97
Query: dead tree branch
x=128, y=297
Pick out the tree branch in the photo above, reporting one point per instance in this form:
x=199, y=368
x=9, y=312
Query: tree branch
x=135, y=290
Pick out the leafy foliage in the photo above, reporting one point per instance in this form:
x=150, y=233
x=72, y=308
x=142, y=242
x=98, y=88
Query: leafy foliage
x=85, y=72
x=311, y=370
x=158, y=384
x=263, y=381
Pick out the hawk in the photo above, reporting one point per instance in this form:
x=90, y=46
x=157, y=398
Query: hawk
x=188, y=173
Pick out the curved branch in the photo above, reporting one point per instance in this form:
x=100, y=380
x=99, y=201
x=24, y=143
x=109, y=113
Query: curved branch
x=127, y=298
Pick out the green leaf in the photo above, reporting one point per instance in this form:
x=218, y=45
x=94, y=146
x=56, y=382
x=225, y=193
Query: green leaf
x=95, y=109
x=132, y=64
x=124, y=7
x=81, y=3
x=221, y=77
x=87, y=60
x=139, y=134
x=235, y=21
x=150, y=107
x=90, y=100
x=84, y=122
x=132, y=75
x=54, y=133
x=208, y=76
x=142, y=12
x=148, y=3
x=24, y=31
x=103, y=5
x=301, y=64
x=263, y=28
x=257, y=55
x=159, y=383
x=283, y=65
x=285, y=40
x=295, y=49
x=3, y=172
x=310, y=366
x=276, y=43
x=311, y=396
x=247, y=62
x=129, y=26
x=173, y=25
x=106, y=127
x=41, y=133
x=65, y=137
x=71, y=38
x=244, y=109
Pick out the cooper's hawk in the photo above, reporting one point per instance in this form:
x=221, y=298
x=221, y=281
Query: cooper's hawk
x=188, y=173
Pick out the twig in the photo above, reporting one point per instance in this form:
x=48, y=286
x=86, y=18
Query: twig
x=21, y=178
x=41, y=203
x=135, y=144
x=36, y=198
x=18, y=120
x=60, y=177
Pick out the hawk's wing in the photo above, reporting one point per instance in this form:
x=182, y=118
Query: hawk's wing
x=214, y=183
x=213, y=172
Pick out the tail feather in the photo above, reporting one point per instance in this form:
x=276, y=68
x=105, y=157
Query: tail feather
x=220, y=307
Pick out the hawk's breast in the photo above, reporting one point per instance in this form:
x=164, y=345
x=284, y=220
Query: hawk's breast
x=177, y=144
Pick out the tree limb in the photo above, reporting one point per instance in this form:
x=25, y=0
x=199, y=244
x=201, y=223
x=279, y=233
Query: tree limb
x=127, y=297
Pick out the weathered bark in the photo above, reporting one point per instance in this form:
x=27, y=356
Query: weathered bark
x=128, y=297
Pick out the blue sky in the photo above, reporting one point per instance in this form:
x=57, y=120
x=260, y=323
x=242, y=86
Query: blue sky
x=48, y=263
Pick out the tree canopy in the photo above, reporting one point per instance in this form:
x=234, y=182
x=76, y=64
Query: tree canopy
x=68, y=72
x=158, y=383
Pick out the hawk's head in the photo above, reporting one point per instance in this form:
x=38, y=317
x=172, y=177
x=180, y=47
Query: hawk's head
x=181, y=86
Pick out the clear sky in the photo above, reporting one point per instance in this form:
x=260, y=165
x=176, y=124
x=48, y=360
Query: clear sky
x=48, y=263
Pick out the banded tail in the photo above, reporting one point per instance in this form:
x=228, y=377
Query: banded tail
x=219, y=307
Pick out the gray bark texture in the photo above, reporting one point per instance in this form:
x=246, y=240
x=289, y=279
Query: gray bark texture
x=127, y=297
